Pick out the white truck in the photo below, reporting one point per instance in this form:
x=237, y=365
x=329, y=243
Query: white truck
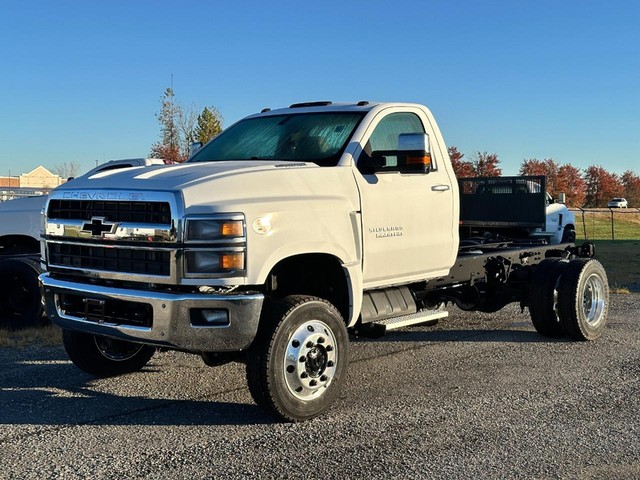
x=513, y=207
x=278, y=238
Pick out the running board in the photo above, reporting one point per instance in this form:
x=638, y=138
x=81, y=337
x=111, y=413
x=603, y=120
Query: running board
x=425, y=316
x=379, y=328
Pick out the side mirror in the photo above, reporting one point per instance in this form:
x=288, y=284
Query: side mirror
x=369, y=165
x=415, y=149
x=413, y=153
x=561, y=198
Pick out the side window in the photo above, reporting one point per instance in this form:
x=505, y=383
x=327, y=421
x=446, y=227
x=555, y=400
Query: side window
x=385, y=135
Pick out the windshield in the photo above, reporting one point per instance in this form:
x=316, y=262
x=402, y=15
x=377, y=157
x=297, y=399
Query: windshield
x=308, y=137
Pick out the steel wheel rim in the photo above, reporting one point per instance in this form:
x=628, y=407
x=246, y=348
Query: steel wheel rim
x=593, y=299
x=117, y=350
x=556, y=304
x=310, y=360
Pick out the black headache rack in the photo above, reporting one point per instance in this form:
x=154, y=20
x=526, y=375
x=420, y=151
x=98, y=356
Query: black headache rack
x=508, y=202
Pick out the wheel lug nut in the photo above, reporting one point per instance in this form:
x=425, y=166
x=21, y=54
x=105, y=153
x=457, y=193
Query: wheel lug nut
x=295, y=344
x=303, y=359
x=321, y=340
x=304, y=375
x=309, y=344
x=313, y=383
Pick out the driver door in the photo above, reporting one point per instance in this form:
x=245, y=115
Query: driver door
x=409, y=229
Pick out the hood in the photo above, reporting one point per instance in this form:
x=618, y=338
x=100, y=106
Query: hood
x=172, y=177
x=232, y=186
x=24, y=204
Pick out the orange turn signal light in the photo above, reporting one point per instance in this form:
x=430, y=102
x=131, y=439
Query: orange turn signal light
x=421, y=160
x=232, y=229
x=232, y=261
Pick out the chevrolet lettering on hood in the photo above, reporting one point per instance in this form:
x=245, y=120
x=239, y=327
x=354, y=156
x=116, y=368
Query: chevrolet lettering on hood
x=130, y=196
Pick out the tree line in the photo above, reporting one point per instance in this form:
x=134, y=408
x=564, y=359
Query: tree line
x=589, y=188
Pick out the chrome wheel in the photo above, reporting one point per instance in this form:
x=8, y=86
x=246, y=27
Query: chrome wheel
x=299, y=359
x=583, y=299
x=593, y=299
x=310, y=360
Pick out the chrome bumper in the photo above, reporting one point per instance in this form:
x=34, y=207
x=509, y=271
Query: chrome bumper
x=171, y=324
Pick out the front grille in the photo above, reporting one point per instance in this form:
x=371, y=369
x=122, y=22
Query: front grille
x=119, y=312
x=113, y=211
x=126, y=260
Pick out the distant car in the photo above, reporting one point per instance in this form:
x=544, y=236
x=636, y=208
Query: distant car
x=617, y=203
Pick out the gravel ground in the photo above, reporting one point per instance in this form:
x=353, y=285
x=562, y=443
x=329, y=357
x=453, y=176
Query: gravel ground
x=477, y=396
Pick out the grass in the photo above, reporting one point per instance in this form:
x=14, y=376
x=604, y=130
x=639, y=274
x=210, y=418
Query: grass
x=621, y=260
x=596, y=224
x=37, y=336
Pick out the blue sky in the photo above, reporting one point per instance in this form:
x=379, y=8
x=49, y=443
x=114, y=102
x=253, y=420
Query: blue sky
x=81, y=80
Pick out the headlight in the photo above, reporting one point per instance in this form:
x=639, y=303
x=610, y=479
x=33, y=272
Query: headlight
x=214, y=262
x=207, y=230
x=215, y=246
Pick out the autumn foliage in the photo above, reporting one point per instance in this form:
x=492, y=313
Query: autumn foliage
x=482, y=164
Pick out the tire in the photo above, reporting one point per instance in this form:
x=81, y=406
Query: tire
x=543, y=297
x=298, y=361
x=105, y=357
x=20, y=296
x=568, y=234
x=583, y=299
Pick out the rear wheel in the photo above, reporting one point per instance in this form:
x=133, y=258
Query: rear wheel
x=105, y=357
x=20, y=298
x=299, y=359
x=584, y=299
x=543, y=297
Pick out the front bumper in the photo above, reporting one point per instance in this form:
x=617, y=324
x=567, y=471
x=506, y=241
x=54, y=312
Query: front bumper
x=171, y=323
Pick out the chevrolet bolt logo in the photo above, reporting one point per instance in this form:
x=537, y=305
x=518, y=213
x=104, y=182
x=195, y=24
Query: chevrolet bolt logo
x=98, y=226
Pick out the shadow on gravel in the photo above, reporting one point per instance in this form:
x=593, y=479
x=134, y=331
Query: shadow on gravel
x=467, y=335
x=55, y=393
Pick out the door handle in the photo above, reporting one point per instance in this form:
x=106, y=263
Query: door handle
x=440, y=188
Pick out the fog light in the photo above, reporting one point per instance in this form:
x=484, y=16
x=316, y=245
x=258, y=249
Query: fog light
x=209, y=318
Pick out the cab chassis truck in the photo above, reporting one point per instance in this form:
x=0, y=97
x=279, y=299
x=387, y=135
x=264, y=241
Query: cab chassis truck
x=278, y=238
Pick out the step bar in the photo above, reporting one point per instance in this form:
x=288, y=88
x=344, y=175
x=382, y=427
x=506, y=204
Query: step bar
x=379, y=328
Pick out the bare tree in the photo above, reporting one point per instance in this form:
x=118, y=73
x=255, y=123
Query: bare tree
x=187, y=120
x=67, y=169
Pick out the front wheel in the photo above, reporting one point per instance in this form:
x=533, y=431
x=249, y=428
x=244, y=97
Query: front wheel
x=298, y=361
x=105, y=357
